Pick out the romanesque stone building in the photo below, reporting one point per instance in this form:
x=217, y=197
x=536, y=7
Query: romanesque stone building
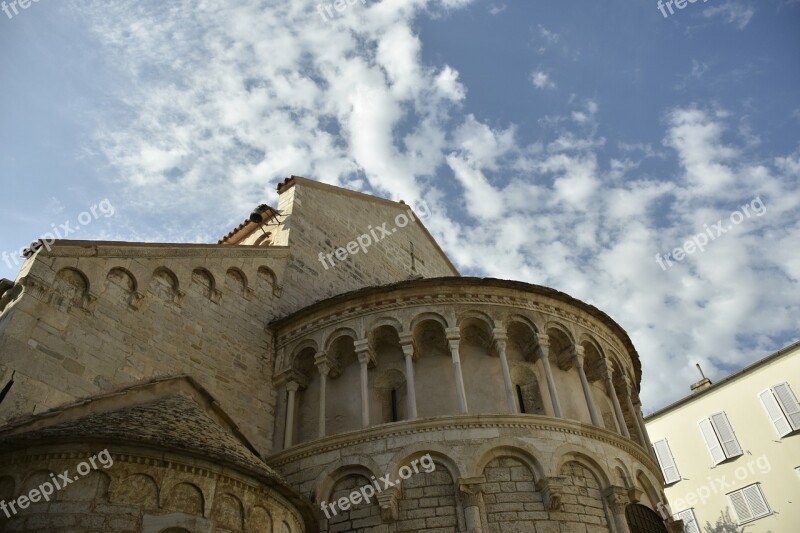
x=294, y=377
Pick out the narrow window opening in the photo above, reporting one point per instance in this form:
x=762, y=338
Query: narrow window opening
x=394, y=405
x=7, y=388
x=521, y=400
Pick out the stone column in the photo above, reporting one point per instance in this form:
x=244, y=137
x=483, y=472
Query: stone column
x=627, y=391
x=544, y=346
x=616, y=499
x=637, y=406
x=587, y=391
x=365, y=357
x=326, y=368
x=500, y=342
x=293, y=381
x=407, y=343
x=607, y=371
x=471, y=490
x=454, y=339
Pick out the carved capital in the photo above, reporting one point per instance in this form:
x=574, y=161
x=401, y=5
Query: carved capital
x=471, y=488
x=327, y=365
x=635, y=495
x=552, y=489
x=453, y=335
x=365, y=352
x=500, y=338
x=388, y=502
x=292, y=379
x=580, y=356
x=617, y=498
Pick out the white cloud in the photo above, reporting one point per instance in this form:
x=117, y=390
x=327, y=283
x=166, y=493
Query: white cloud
x=541, y=80
x=735, y=13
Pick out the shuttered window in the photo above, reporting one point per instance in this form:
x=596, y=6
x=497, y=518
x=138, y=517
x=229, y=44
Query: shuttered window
x=719, y=438
x=749, y=503
x=689, y=521
x=782, y=408
x=666, y=461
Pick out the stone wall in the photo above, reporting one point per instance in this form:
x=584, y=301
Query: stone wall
x=320, y=218
x=141, y=492
x=94, y=318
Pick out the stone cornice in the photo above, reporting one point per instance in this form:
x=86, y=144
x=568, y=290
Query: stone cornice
x=529, y=422
x=111, y=249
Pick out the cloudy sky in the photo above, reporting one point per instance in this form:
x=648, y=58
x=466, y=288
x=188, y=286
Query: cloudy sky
x=562, y=143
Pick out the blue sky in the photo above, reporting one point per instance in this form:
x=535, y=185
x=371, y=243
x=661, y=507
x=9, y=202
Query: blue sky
x=560, y=143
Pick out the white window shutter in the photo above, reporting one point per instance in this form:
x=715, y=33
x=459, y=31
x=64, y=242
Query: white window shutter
x=689, y=521
x=712, y=443
x=755, y=500
x=789, y=403
x=666, y=461
x=740, y=506
x=726, y=435
x=775, y=413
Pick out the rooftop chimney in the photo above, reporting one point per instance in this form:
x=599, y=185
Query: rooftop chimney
x=704, y=382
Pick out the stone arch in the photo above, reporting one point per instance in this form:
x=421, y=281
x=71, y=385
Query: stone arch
x=574, y=453
x=456, y=468
x=92, y=488
x=582, y=489
x=228, y=512
x=70, y=288
x=648, y=489
x=259, y=520
x=7, y=486
x=562, y=344
x=475, y=315
x=388, y=321
x=236, y=281
x=123, y=278
x=334, y=517
x=429, y=498
x=36, y=478
x=525, y=380
x=522, y=335
x=204, y=282
x=508, y=447
x=510, y=478
x=285, y=527
x=338, y=333
x=341, y=412
x=620, y=474
x=302, y=346
x=308, y=397
x=164, y=284
x=185, y=497
x=266, y=276
x=428, y=315
x=521, y=320
x=358, y=465
x=434, y=378
x=136, y=489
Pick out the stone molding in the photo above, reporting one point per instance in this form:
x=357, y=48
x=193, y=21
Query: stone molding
x=533, y=423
